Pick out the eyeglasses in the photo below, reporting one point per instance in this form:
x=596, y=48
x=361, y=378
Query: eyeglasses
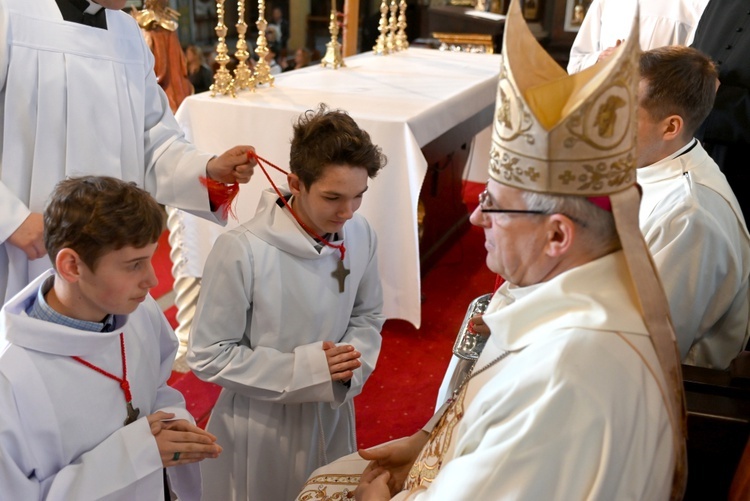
x=485, y=200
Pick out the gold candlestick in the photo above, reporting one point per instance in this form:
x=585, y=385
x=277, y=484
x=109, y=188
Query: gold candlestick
x=402, y=43
x=223, y=81
x=333, y=58
x=381, y=46
x=390, y=40
x=243, y=75
x=262, y=71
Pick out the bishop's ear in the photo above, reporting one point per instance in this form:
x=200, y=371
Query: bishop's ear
x=561, y=233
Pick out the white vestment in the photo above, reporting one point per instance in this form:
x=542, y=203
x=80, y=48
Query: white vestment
x=662, y=22
x=61, y=426
x=695, y=230
x=78, y=100
x=575, y=411
x=267, y=303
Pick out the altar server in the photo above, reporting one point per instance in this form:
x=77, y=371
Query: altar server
x=78, y=95
x=578, y=391
x=289, y=317
x=86, y=409
x=689, y=215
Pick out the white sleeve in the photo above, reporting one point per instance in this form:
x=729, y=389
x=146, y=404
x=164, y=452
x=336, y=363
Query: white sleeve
x=185, y=480
x=699, y=269
x=13, y=211
x=173, y=165
x=219, y=352
x=123, y=458
x=518, y=436
x=587, y=44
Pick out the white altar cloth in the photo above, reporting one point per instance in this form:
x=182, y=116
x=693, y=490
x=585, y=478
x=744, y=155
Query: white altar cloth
x=404, y=100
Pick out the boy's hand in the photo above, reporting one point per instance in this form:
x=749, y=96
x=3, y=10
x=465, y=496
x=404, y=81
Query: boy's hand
x=232, y=166
x=181, y=442
x=342, y=360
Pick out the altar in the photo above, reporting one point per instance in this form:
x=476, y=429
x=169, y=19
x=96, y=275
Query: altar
x=413, y=103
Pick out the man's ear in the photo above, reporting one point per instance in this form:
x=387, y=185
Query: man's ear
x=674, y=125
x=68, y=265
x=560, y=234
x=295, y=185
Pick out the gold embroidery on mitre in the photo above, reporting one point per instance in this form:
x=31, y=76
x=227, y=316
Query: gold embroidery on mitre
x=512, y=117
x=316, y=488
x=606, y=120
x=431, y=458
x=606, y=116
x=559, y=133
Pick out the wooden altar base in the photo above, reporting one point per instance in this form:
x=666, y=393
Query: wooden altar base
x=445, y=214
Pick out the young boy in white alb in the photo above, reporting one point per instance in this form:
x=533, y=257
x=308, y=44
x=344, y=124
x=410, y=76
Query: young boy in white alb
x=86, y=410
x=289, y=318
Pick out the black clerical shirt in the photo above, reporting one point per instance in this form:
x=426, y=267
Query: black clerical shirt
x=74, y=11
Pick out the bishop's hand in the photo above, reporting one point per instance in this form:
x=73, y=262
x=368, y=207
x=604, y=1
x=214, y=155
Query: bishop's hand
x=396, y=458
x=373, y=486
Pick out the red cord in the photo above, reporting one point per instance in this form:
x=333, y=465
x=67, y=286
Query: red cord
x=221, y=195
x=340, y=247
x=123, y=381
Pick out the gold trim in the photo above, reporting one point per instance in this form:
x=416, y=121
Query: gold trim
x=466, y=41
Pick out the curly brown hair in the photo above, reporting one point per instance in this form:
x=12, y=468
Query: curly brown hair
x=325, y=137
x=94, y=215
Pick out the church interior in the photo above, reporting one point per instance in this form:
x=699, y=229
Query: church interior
x=422, y=77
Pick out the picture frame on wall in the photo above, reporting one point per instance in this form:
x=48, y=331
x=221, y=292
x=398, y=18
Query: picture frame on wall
x=532, y=9
x=575, y=11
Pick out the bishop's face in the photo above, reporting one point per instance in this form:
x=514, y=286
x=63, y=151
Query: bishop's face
x=515, y=241
x=330, y=201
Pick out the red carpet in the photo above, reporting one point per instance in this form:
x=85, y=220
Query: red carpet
x=399, y=397
x=163, y=267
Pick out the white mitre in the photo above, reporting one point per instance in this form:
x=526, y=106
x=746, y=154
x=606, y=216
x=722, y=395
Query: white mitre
x=563, y=134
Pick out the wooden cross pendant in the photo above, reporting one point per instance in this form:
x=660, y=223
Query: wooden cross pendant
x=132, y=414
x=340, y=274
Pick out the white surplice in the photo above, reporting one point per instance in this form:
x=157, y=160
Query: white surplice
x=575, y=411
x=662, y=22
x=78, y=100
x=61, y=426
x=267, y=303
x=695, y=230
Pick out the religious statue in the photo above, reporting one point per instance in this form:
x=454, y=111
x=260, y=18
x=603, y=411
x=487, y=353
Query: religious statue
x=158, y=24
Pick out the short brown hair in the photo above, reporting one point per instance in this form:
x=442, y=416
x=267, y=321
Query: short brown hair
x=681, y=81
x=94, y=215
x=331, y=137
